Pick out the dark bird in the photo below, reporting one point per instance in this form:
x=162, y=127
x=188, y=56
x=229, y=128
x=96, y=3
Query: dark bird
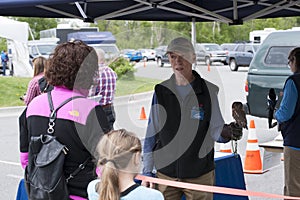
x=239, y=114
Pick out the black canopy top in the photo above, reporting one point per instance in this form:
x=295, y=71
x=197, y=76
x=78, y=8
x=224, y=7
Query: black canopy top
x=228, y=11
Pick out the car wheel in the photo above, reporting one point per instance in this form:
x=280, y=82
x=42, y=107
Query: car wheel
x=145, y=59
x=159, y=63
x=233, y=66
x=207, y=61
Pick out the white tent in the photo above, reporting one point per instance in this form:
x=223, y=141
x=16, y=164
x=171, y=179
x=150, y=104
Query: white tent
x=16, y=34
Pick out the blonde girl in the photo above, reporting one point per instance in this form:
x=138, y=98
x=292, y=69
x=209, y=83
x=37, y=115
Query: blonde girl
x=119, y=160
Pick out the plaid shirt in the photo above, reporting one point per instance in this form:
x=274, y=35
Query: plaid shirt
x=105, y=85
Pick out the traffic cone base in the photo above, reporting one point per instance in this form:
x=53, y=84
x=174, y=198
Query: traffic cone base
x=143, y=114
x=253, y=162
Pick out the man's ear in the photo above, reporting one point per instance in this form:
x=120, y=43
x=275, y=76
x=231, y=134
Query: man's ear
x=194, y=58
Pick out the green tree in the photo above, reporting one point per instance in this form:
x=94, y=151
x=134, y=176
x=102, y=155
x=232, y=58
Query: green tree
x=147, y=34
x=38, y=24
x=3, y=44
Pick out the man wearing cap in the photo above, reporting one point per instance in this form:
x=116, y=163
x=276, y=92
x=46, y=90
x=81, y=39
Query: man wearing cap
x=185, y=121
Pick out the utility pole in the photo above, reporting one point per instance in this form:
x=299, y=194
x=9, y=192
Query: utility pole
x=193, y=33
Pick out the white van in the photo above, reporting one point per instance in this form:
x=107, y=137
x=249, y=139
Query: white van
x=43, y=47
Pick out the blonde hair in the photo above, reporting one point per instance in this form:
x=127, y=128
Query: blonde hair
x=115, y=149
x=39, y=64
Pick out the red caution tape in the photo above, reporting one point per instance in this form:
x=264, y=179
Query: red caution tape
x=213, y=189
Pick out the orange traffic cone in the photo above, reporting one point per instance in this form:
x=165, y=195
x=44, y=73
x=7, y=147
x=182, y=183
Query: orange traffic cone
x=253, y=162
x=225, y=147
x=208, y=67
x=143, y=114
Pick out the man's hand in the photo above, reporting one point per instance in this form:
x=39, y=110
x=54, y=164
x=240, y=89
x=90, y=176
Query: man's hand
x=148, y=184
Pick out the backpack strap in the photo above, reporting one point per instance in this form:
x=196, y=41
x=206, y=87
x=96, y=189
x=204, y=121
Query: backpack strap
x=52, y=116
x=51, y=124
x=79, y=168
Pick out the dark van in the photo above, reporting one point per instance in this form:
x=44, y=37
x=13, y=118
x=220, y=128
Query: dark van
x=269, y=69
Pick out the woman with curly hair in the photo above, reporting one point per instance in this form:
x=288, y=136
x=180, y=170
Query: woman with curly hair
x=120, y=159
x=79, y=124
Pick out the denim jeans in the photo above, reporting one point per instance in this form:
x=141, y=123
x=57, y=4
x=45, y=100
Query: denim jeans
x=4, y=65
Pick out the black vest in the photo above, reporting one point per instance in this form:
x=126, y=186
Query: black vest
x=183, y=125
x=290, y=129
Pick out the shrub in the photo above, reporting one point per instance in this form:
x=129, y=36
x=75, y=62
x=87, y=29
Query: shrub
x=123, y=68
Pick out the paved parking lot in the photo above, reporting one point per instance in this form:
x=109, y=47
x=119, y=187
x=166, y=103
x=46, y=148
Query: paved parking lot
x=128, y=110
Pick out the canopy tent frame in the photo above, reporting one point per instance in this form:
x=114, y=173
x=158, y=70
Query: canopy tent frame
x=227, y=11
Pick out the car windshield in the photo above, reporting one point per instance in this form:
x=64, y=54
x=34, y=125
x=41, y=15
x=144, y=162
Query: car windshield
x=108, y=49
x=277, y=56
x=228, y=47
x=45, y=49
x=161, y=48
x=111, y=52
x=212, y=47
x=125, y=51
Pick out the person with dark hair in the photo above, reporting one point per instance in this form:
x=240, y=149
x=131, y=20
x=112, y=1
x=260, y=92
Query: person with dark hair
x=79, y=124
x=33, y=90
x=288, y=117
x=120, y=160
x=184, y=123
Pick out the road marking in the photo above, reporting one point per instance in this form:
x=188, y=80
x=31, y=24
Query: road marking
x=10, y=163
x=15, y=176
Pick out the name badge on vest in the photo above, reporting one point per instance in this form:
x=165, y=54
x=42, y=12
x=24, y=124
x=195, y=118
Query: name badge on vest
x=197, y=112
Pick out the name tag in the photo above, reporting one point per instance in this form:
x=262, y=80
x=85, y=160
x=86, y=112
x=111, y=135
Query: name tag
x=197, y=112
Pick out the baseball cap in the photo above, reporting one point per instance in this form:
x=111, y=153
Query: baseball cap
x=183, y=47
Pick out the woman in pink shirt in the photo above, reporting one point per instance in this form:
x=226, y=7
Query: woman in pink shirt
x=33, y=90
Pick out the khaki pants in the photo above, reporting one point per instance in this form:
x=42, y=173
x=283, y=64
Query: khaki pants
x=174, y=193
x=291, y=172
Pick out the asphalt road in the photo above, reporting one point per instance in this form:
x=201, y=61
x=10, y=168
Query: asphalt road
x=128, y=110
x=231, y=88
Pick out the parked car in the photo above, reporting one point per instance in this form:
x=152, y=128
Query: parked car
x=161, y=56
x=269, y=69
x=210, y=52
x=132, y=55
x=241, y=55
x=124, y=51
x=228, y=46
x=148, y=54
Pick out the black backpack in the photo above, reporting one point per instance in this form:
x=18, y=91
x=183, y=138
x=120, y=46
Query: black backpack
x=44, y=86
x=44, y=174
